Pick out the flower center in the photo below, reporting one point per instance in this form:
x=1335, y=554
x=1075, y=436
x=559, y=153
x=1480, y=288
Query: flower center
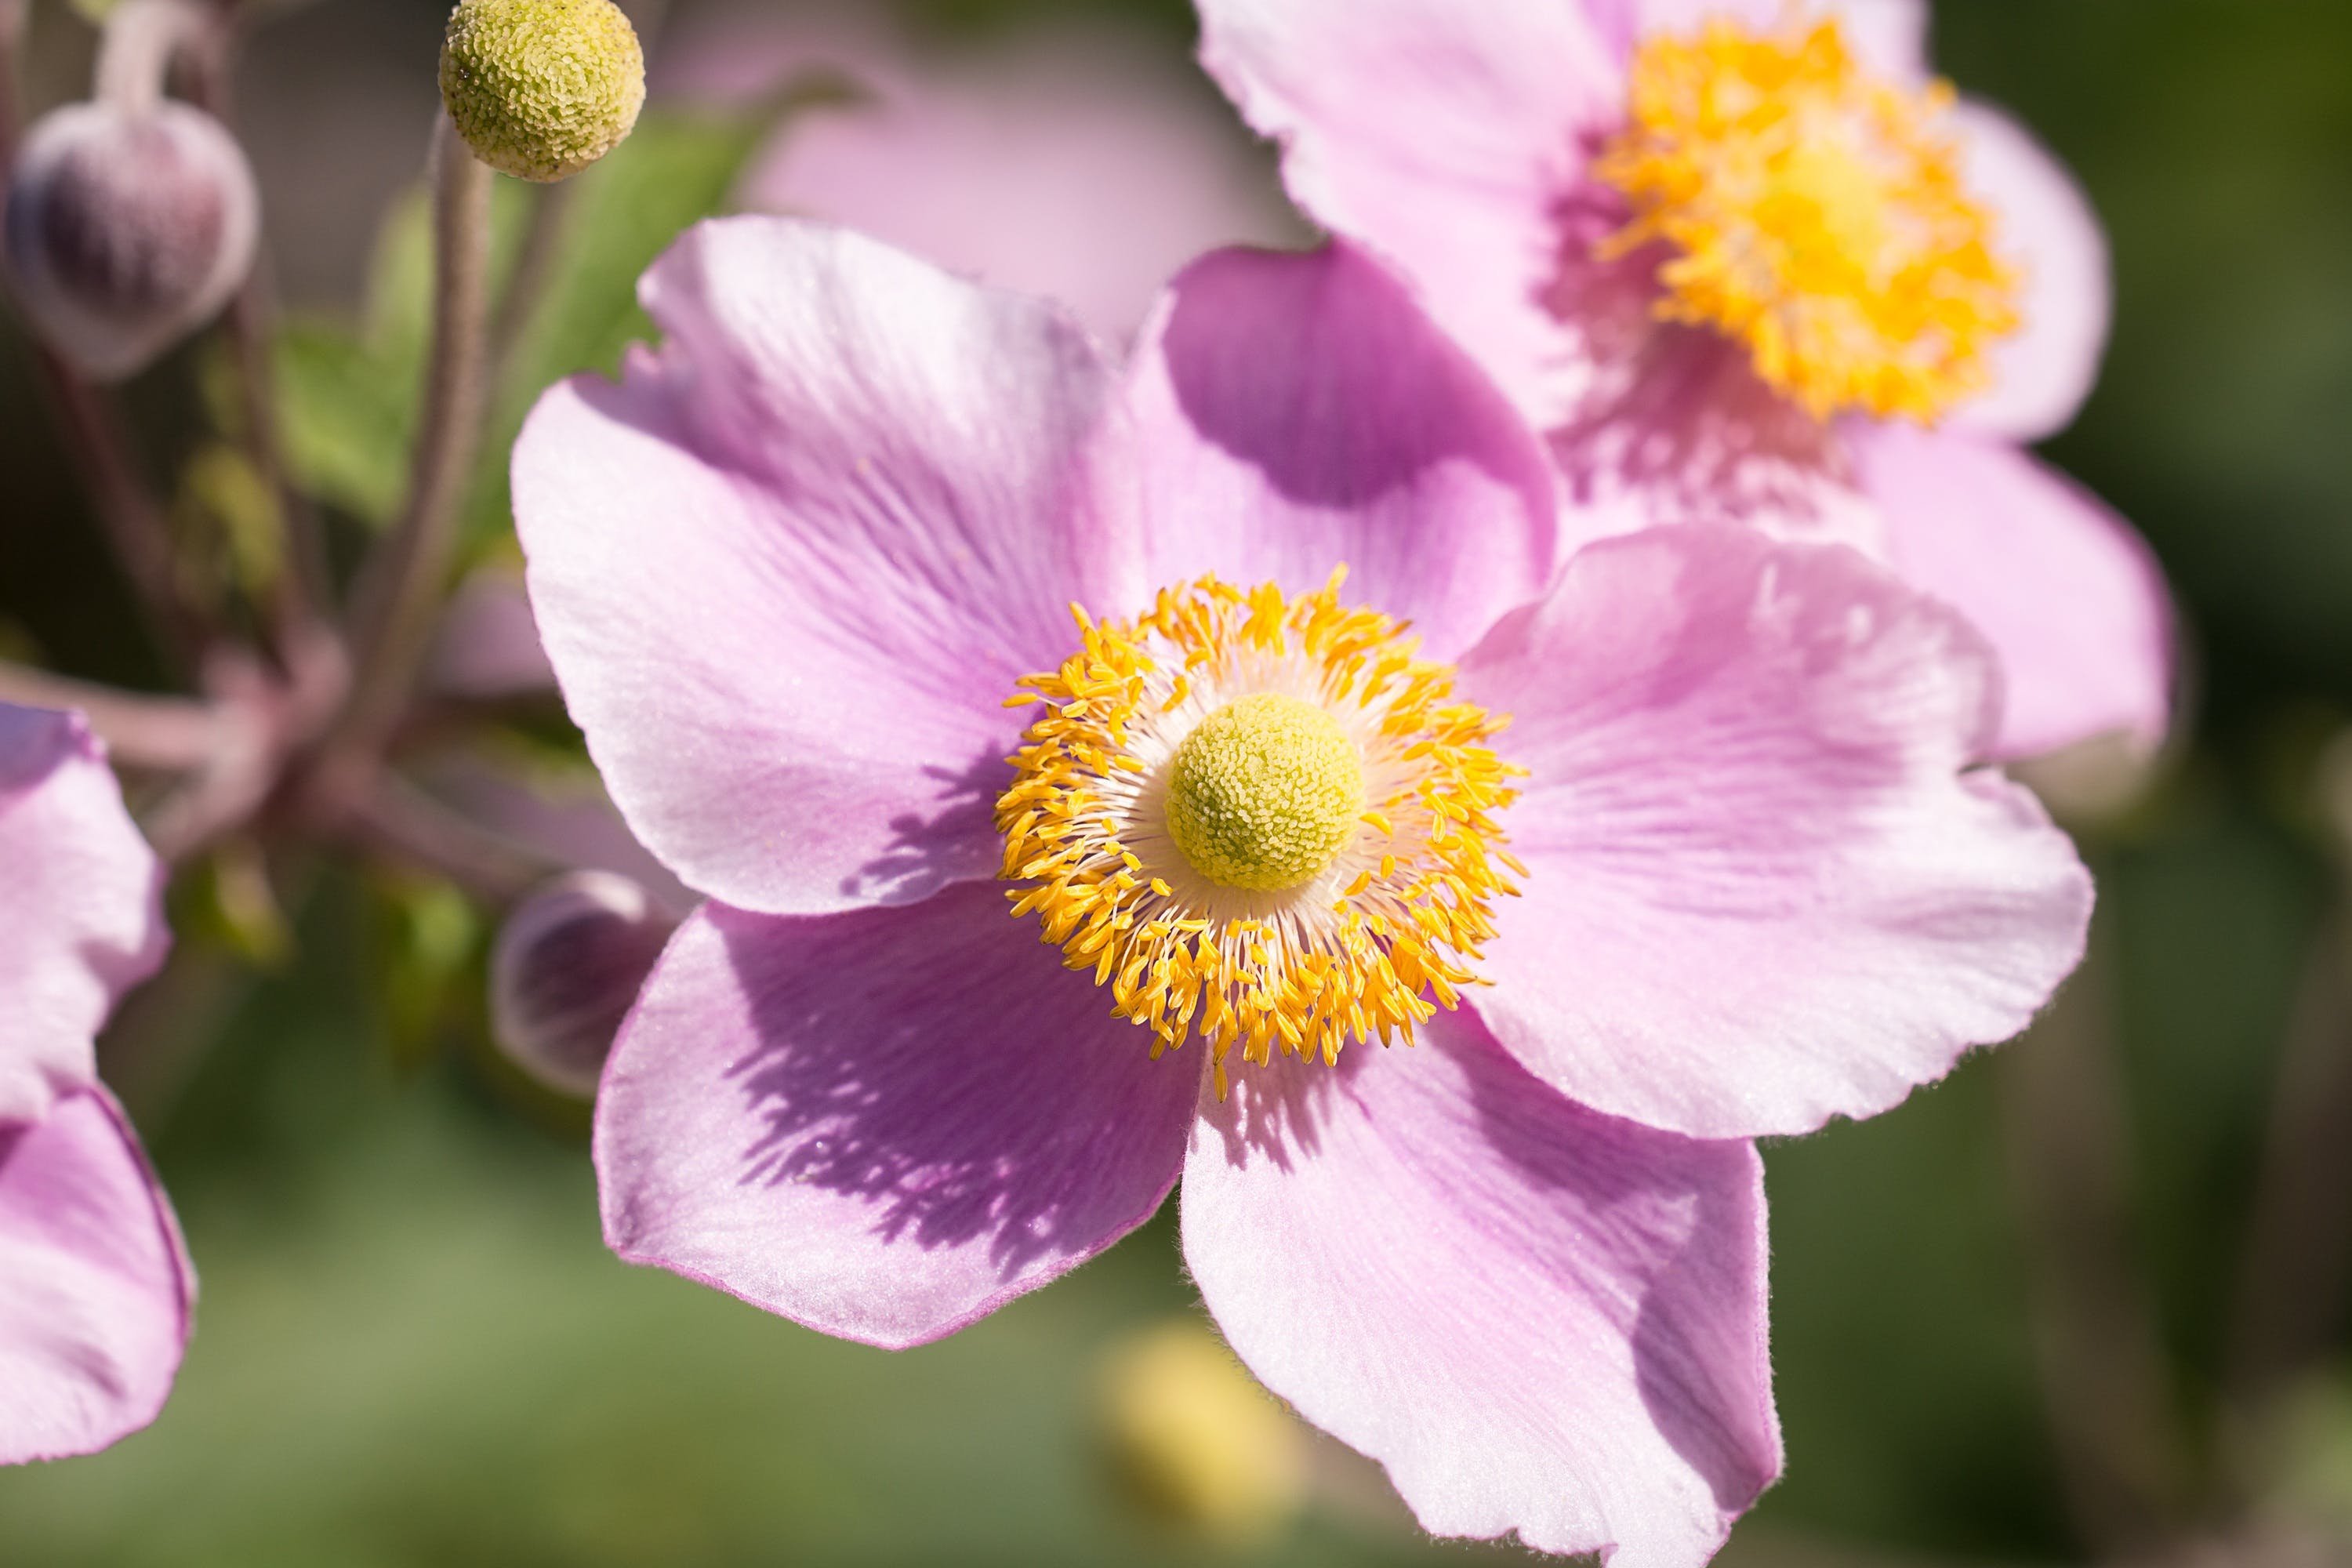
x=1264, y=792
x=1818, y=216
x=1260, y=819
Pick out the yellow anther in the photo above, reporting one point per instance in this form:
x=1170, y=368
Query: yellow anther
x=1816, y=214
x=1186, y=810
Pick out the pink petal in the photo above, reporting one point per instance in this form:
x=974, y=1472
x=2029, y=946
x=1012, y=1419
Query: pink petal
x=1070, y=160
x=883, y=1124
x=790, y=568
x=95, y=1289
x=1538, y=1319
x=1889, y=36
x=2067, y=593
x=1441, y=135
x=1766, y=885
x=81, y=916
x=1289, y=413
x=2046, y=225
x=1675, y=427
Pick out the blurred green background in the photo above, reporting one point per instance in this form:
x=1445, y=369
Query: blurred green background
x=2077, y=1302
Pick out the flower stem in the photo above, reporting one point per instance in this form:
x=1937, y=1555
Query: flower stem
x=2296, y=1273
x=400, y=588
x=13, y=14
x=174, y=733
x=2107, y=1391
x=411, y=830
x=136, y=54
x=136, y=527
x=301, y=584
x=133, y=521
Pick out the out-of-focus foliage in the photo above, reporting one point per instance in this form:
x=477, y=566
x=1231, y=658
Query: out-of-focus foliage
x=351, y=388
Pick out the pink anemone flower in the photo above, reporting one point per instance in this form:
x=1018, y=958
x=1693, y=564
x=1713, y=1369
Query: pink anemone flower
x=95, y=1288
x=910, y=633
x=1745, y=259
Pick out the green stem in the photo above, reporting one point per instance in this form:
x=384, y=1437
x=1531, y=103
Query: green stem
x=400, y=589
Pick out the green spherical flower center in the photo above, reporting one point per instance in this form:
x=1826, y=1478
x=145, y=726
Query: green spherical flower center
x=541, y=89
x=1266, y=793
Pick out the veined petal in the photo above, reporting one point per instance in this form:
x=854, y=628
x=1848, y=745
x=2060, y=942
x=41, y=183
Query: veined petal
x=1441, y=134
x=1538, y=1319
x=2067, y=593
x=883, y=1124
x=1289, y=413
x=95, y=1289
x=2041, y=375
x=789, y=569
x=1768, y=882
x=81, y=916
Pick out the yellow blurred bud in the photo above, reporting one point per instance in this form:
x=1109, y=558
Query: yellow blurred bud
x=541, y=89
x=1194, y=1439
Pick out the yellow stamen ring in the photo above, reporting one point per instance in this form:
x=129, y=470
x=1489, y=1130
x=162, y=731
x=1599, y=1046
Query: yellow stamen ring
x=1259, y=819
x=1818, y=215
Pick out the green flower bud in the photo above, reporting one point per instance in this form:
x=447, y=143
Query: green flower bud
x=541, y=89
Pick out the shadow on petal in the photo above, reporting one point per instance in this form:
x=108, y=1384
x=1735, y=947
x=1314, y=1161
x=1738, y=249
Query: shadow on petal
x=966, y=1092
x=931, y=850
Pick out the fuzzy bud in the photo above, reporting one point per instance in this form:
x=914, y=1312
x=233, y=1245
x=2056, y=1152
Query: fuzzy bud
x=565, y=971
x=541, y=89
x=128, y=228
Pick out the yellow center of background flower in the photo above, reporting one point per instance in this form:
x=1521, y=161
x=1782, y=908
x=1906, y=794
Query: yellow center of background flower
x=1818, y=216
x=1259, y=819
x=1265, y=793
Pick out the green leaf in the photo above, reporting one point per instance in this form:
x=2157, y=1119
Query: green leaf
x=346, y=412
x=348, y=393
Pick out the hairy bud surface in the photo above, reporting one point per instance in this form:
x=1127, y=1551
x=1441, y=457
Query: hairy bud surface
x=128, y=229
x=541, y=89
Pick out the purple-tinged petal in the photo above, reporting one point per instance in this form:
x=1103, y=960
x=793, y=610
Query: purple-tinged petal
x=2069, y=596
x=1072, y=160
x=1675, y=427
x=96, y=1295
x=1443, y=135
x=565, y=971
x=1538, y=1319
x=790, y=568
x=1765, y=883
x=2045, y=225
x=81, y=916
x=1288, y=413
x=883, y=1124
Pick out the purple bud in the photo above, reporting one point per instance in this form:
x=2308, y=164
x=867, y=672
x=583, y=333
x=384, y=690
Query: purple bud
x=566, y=970
x=126, y=230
